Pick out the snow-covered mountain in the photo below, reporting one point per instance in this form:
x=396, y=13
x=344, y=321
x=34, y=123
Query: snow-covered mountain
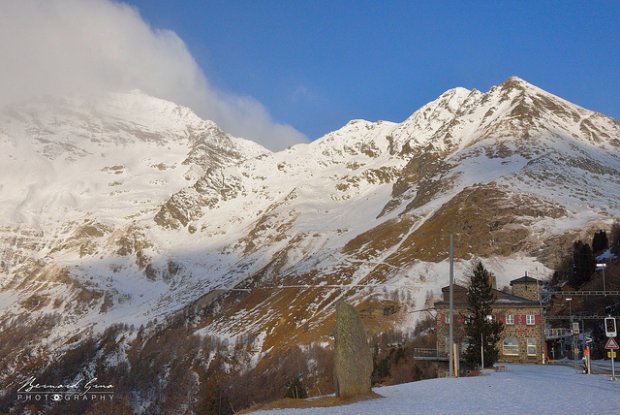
x=81, y=181
x=131, y=209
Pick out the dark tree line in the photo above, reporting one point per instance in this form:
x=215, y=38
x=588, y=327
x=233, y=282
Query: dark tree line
x=578, y=267
x=584, y=264
x=600, y=242
x=614, y=243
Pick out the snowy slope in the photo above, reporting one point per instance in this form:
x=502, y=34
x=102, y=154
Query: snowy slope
x=81, y=180
x=523, y=389
x=68, y=159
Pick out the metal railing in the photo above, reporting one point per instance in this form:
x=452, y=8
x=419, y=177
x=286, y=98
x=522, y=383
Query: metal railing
x=557, y=333
x=421, y=353
x=585, y=293
x=579, y=317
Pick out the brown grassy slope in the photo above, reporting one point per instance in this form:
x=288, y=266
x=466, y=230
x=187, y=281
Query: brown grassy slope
x=487, y=220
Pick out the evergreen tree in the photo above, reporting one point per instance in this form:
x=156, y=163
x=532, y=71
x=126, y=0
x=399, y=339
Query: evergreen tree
x=600, y=242
x=615, y=238
x=478, y=326
x=584, y=264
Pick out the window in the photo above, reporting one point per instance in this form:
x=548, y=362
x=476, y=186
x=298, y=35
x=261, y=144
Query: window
x=531, y=346
x=510, y=319
x=530, y=319
x=511, y=346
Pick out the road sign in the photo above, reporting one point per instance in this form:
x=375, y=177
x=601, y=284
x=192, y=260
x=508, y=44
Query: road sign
x=612, y=344
x=610, y=327
x=575, y=328
x=610, y=356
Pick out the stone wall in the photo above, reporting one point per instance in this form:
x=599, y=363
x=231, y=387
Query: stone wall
x=520, y=331
x=529, y=291
x=443, y=330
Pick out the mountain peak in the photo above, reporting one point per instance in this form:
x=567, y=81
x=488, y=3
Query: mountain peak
x=458, y=91
x=519, y=85
x=514, y=82
x=515, y=108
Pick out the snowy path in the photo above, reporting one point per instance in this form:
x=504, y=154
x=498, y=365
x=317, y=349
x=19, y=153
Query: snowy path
x=523, y=389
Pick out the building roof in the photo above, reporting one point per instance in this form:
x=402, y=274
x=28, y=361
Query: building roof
x=526, y=279
x=501, y=298
x=457, y=287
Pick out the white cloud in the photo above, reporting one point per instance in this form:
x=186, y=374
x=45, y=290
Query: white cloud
x=61, y=47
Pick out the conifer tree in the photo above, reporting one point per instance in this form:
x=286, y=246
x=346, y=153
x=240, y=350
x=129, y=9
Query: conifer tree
x=600, y=242
x=614, y=243
x=480, y=327
x=584, y=264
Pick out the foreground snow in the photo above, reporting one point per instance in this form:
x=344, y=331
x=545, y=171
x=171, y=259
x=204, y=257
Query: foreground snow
x=522, y=389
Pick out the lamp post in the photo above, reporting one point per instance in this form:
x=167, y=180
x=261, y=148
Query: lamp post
x=602, y=267
x=570, y=313
x=487, y=318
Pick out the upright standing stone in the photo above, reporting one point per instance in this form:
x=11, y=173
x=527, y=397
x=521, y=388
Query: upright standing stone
x=352, y=357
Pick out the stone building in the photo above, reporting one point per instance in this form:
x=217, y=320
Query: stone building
x=522, y=340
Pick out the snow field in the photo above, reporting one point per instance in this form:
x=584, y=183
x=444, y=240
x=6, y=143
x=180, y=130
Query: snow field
x=522, y=389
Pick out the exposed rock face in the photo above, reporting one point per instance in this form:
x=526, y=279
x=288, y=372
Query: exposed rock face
x=352, y=358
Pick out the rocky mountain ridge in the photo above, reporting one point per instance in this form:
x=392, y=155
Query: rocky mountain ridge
x=134, y=210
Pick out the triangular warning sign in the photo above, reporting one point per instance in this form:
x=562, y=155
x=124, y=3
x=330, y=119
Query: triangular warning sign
x=612, y=344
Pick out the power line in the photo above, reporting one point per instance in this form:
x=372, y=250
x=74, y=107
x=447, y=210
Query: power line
x=326, y=286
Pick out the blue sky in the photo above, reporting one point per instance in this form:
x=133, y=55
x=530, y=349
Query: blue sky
x=282, y=72
x=317, y=64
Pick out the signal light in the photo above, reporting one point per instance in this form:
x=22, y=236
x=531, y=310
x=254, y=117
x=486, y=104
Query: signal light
x=610, y=327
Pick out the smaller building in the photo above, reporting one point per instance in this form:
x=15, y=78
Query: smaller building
x=522, y=340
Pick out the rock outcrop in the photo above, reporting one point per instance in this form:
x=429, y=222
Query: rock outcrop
x=352, y=358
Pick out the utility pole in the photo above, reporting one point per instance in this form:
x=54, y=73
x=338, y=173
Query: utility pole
x=542, y=326
x=451, y=313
